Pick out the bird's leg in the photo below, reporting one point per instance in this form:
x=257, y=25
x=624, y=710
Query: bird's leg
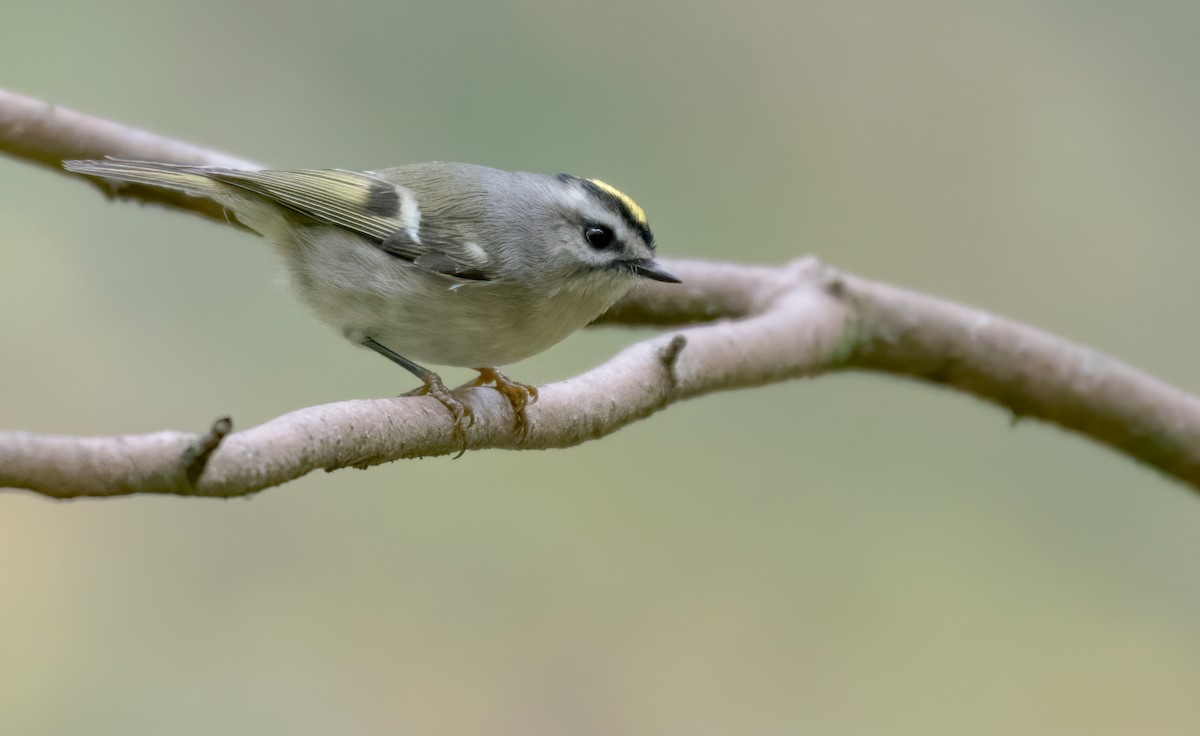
x=463, y=415
x=519, y=395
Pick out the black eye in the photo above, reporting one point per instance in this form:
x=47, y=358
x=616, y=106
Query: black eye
x=599, y=237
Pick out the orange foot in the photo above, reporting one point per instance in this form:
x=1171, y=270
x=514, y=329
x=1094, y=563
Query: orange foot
x=519, y=395
x=463, y=415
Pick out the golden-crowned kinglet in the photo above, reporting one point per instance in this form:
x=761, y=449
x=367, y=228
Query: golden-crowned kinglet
x=452, y=264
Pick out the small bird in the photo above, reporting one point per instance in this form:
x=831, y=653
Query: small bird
x=446, y=263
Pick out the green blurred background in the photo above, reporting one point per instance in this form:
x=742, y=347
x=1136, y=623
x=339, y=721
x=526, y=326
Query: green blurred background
x=852, y=555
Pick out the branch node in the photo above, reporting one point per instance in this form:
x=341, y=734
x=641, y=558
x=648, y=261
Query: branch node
x=810, y=272
x=804, y=264
x=669, y=355
x=195, y=457
x=835, y=285
x=807, y=268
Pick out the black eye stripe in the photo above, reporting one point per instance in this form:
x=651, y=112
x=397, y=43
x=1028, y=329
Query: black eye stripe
x=613, y=203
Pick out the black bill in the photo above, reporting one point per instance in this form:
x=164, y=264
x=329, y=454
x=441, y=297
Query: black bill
x=654, y=270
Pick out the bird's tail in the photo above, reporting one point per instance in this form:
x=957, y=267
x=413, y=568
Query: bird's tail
x=189, y=179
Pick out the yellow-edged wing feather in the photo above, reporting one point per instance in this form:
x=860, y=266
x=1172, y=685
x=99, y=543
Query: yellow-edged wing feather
x=356, y=201
x=361, y=202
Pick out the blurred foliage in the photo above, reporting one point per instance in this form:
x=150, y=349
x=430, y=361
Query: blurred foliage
x=850, y=555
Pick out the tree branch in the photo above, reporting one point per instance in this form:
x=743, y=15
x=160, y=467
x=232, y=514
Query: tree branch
x=736, y=326
x=45, y=134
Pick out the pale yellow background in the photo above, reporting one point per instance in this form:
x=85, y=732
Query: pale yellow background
x=852, y=555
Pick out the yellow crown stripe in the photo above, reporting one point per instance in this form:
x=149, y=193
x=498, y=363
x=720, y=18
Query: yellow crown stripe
x=638, y=213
